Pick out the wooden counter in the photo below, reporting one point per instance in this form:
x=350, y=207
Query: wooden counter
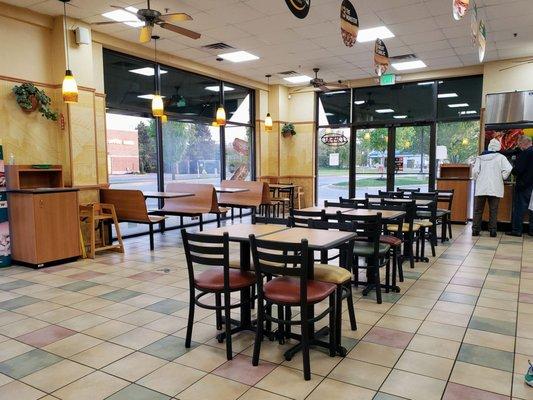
x=457, y=177
x=505, y=207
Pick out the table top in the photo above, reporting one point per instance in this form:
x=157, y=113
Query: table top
x=418, y=202
x=220, y=189
x=385, y=214
x=281, y=186
x=241, y=232
x=329, y=210
x=165, y=195
x=318, y=239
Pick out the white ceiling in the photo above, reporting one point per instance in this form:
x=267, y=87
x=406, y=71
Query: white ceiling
x=283, y=42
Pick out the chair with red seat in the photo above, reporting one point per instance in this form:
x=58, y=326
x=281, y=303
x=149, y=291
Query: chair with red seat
x=291, y=287
x=219, y=279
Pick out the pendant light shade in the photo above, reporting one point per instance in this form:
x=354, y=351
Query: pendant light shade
x=158, y=110
x=221, y=116
x=164, y=119
x=69, y=88
x=268, y=123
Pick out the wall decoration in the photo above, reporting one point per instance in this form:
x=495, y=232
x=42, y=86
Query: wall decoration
x=507, y=137
x=288, y=130
x=460, y=7
x=349, y=23
x=381, y=57
x=5, y=239
x=300, y=8
x=29, y=98
x=474, y=24
x=481, y=40
x=334, y=139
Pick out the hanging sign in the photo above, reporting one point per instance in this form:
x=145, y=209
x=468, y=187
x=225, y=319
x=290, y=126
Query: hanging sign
x=349, y=23
x=460, y=7
x=300, y=8
x=481, y=40
x=474, y=24
x=334, y=139
x=381, y=57
x=5, y=239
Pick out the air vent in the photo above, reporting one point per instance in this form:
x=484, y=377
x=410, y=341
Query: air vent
x=404, y=57
x=218, y=46
x=288, y=73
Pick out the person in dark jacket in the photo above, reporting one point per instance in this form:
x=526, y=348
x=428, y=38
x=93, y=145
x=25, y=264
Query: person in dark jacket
x=523, y=171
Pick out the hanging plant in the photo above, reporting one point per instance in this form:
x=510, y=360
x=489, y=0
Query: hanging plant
x=29, y=98
x=288, y=130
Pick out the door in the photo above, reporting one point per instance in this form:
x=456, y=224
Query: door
x=371, y=160
x=411, y=162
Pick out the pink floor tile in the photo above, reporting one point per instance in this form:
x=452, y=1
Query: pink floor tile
x=86, y=275
x=525, y=298
x=146, y=276
x=388, y=337
x=455, y=391
x=241, y=369
x=44, y=336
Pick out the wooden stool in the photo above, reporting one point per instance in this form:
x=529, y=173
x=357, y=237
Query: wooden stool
x=95, y=215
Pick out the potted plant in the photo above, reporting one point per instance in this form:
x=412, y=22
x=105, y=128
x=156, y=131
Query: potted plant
x=288, y=130
x=29, y=98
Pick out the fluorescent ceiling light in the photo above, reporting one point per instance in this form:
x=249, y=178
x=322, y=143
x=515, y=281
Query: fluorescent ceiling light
x=425, y=83
x=217, y=88
x=400, y=116
x=335, y=92
x=447, y=95
x=359, y=102
x=146, y=71
x=467, y=112
x=148, y=96
x=458, y=105
x=403, y=66
x=238, y=56
x=122, y=16
x=384, y=110
x=298, y=79
x=371, y=34
x=329, y=114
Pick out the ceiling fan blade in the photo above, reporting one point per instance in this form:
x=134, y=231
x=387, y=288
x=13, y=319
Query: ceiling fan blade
x=124, y=9
x=110, y=22
x=180, y=30
x=175, y=17
x=146, y=34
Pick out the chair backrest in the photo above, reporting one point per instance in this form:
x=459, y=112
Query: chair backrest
x=431, y=207
x=408, y=191
x=204, y=199
x=206, y=250
x=130, y=205
x=257, y=194
x=445, y=196
x=373, y=198
x=258, y=219
x=390, y=195
x=355, y=203
x=367, y=227
x=299, y=218
x=328, y=203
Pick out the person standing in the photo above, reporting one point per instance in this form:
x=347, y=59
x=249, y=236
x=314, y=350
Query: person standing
x=523, y=171
x=490, y=170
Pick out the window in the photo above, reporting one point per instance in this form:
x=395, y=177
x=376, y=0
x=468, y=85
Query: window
x=334, y=108
x=238, y=152
x=459, y=98
x=333, y=167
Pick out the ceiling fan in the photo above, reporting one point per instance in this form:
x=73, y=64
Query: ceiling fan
x=320, y=85
x=151, y=18
x=517, y=64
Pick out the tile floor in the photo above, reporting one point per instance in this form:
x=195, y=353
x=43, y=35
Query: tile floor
x=114, y=328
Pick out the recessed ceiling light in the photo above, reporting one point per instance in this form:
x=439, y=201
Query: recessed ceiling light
x=146, y=71
x=371, y=34
x=425, y=83
x=122, y=16
x=217, y=88
x=298, y=79
x=329, y=114
x=238, y=56
x=384, y=110
x=147, y=96
x=359, y=102
x=400, y=116
x=402, y=66
x=458, y=105
x=467, y=112
x=447, y=95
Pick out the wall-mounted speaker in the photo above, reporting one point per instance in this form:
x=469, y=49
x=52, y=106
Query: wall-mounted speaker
x=83, y=35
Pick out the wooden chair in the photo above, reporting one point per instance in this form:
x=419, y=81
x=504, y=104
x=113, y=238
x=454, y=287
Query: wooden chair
x=291, y=287
x=95, y=215
x=355, y=203
x=256, y=198
x=130, y=206
x=427, y=219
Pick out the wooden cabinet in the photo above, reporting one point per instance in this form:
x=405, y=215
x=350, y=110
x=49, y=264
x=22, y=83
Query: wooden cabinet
x=457, y=177
x=44, y=225
x=26, y=177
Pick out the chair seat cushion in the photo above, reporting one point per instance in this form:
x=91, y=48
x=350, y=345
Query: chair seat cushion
x=390, y=240
x=286, y=290
x=363, y=249
x=332, y=274
x=405, y=227
x=213, y=279
x=426, y=223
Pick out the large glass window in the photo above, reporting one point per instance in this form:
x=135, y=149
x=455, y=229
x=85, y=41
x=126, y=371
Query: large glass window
x=412, y=157
x=334, y=108
x=457, y=142
x=370, y=160
x=238, y=152
x=459, y=98
x=333, y=167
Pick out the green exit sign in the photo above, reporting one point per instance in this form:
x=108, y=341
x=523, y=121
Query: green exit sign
x=387, y=79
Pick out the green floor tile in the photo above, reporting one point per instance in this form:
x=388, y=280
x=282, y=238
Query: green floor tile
x=486, y=357
x=458, y=298
x=120, y=295
x=169, y=348
x=504, y=273
x=167, y=306
x=18, y=302
x=77, y=286
x=492, y=325
x=15, y=284
x=28, y=363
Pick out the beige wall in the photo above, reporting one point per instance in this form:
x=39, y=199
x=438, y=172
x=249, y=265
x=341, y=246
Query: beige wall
x=518, y=78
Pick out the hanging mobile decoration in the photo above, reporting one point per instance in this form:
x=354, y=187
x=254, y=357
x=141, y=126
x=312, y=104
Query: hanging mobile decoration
x=349, y=23
x=481, y=40
x=381, y=57
x=300, y=8
x=474, y=24
x=460, y=7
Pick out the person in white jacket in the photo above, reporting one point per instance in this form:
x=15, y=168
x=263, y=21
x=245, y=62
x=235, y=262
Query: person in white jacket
x=490, y=170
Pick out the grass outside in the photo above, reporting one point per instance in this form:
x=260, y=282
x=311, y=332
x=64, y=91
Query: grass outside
x=376, y=182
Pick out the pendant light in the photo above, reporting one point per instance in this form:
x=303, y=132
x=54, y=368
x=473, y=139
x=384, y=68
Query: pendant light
x=268, y=119
x=69, y=88
x=221, y=116
x=158, y=109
